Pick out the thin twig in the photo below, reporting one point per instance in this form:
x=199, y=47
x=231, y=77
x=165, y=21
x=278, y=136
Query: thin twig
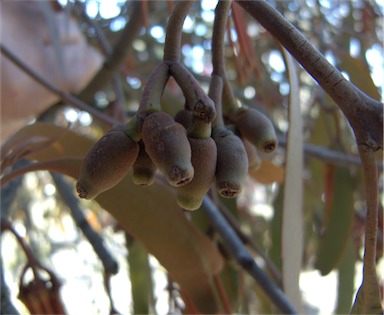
x=244, y=258
x=218, y=35
x=71, y=99
x=330, y=156
x=218, y=57
x=117, y=56
x=218, y=60
x=248, y=241
x=107, y=50
x=172, y=43
x=66, y=193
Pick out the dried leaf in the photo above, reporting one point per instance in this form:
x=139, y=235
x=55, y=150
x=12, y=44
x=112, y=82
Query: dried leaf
x=268, y=173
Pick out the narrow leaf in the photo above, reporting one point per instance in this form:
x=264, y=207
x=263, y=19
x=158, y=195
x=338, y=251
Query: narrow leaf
x=346, y=277
x=268, y=173
x=140, y=276
x=292, y=221
x=359, y=74
x=339, y=223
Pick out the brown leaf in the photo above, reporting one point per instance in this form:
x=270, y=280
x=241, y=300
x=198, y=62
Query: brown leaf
x=268, y=173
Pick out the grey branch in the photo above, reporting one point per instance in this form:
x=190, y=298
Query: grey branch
x=66, y=193
x=244, y=258
x=364, y=113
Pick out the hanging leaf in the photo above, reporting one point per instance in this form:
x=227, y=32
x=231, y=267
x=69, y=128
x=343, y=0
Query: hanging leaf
x=140, y=277
x=333, y=244
x=359, y=74
x=292, y=220
x=346, y=277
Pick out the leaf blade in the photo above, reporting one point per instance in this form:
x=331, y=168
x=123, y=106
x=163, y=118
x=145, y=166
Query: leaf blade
x=292, y=221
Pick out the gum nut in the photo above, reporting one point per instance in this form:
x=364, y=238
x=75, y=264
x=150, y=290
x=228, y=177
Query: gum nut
x=167, y=144
x=204, y=156
x=232, y=163
x=106, y=164
x=257, y=128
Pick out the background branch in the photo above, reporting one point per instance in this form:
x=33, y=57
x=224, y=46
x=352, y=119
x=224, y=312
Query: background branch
x=117, y=56
x=67, y=195
x=107, y=50
x=244, y=258
x=329, y=156
x=364, y=113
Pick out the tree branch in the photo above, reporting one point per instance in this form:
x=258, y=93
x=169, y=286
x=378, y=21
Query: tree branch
x=364, y=113
x=67, y=195
x=330, y=156
x=174, y=31
x=71, y=99
x=116, y=57
x=244, y=258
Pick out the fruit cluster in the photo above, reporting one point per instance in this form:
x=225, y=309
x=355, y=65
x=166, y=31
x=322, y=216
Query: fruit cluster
x=192, y=150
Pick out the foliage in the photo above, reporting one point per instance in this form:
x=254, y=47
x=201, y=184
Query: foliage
x=229, y=255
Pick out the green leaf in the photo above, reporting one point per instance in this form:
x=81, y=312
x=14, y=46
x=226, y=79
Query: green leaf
x=346, y=277
x=275, y=227
x=338, y=227
x=140, y=276
x=151, y=215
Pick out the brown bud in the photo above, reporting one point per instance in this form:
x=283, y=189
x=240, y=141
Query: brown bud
x=256, y=127
x=167, y=144
x=107, y=162
x=232, y=162
x=143, y=169
x=204, y=155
